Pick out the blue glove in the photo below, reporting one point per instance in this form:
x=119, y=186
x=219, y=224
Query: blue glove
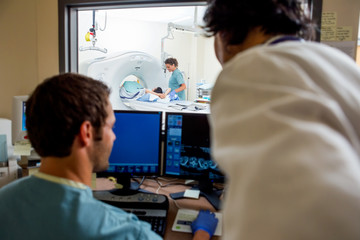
x=205, y=221
x=172, y=94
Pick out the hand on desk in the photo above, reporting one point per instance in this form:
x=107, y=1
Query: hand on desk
x=205, y=221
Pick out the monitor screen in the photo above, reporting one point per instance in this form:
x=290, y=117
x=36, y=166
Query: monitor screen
x=187, y=148
x=23, y=125
x=137, y=148
x=19, y=132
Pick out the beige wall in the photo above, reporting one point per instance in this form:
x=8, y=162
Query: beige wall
x=47, y=38
x=28, y=47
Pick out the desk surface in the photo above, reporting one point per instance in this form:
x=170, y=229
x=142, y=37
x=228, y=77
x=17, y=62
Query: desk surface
x=169, y=185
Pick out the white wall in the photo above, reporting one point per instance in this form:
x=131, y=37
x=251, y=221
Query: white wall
x=122, y=35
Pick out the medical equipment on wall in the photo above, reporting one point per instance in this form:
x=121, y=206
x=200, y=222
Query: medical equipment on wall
x=195, y=28
x=203, y=90
x=170, y=36
x=113, y=69
x=90, y=36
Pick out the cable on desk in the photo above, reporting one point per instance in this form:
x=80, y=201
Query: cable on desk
x=171, y=182
x=139, y=183
x=161, y=185
x=157, y=190
x=168, y=180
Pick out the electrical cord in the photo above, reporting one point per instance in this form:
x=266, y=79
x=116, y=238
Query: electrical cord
x=139, y=182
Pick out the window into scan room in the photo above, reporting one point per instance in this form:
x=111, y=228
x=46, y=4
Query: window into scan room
x=116, y=43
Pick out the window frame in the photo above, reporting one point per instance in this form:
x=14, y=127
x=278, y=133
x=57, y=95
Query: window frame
x=68, y=21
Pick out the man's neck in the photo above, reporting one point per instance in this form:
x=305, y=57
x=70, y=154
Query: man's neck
x=75, y=169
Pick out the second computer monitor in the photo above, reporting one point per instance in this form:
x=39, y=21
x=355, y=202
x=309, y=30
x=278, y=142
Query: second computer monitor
x=187, y=147
x=19, y=132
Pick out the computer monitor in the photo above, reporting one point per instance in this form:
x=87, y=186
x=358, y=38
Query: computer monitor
x=188, y=154
x=137, y=148
x=19, y=118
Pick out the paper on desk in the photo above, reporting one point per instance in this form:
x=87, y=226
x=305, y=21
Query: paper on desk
x=185, y=217
x=22, y=148
x=189, y=193
x=3, y=148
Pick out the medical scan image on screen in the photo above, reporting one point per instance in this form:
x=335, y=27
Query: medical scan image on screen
x=188, y=147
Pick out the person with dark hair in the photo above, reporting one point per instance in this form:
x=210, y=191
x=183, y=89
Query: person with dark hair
x=69, y=120
x=158, y=92
x=285, y=124
x=176, y=81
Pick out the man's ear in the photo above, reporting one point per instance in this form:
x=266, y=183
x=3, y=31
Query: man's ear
x=86, y=133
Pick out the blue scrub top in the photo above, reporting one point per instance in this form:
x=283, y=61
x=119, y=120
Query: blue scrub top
x=175, y=81
x=35, y=208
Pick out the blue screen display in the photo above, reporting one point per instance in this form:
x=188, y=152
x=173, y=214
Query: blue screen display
x=136, y=149
x=23, y=124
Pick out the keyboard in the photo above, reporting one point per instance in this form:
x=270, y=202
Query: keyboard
x=149, y=207
x=158, y=224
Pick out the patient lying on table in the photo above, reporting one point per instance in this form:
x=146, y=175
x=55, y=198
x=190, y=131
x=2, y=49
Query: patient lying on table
x=135, y=91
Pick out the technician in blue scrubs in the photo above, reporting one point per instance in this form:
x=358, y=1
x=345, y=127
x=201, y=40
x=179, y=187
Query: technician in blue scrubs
x=176, y=81
x=69, y=123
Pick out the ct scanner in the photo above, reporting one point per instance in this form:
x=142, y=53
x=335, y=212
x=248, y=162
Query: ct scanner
x=113, y=69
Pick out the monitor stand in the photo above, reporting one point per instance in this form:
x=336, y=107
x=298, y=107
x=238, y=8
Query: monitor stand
x=205, y=187
x=131, y=197
x=131, y=189
x=124, y=179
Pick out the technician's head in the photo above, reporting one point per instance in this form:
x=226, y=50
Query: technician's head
x=231, y=21
x=59, y=106
x=171, y=64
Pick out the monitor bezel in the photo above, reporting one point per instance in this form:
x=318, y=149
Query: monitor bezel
x=202, y=177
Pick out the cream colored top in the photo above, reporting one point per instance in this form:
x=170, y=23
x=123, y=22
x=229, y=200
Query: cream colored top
x=286, y=127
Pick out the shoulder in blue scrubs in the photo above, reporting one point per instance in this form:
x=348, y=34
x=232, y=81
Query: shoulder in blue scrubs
x=47, y=207
x=175, y=82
